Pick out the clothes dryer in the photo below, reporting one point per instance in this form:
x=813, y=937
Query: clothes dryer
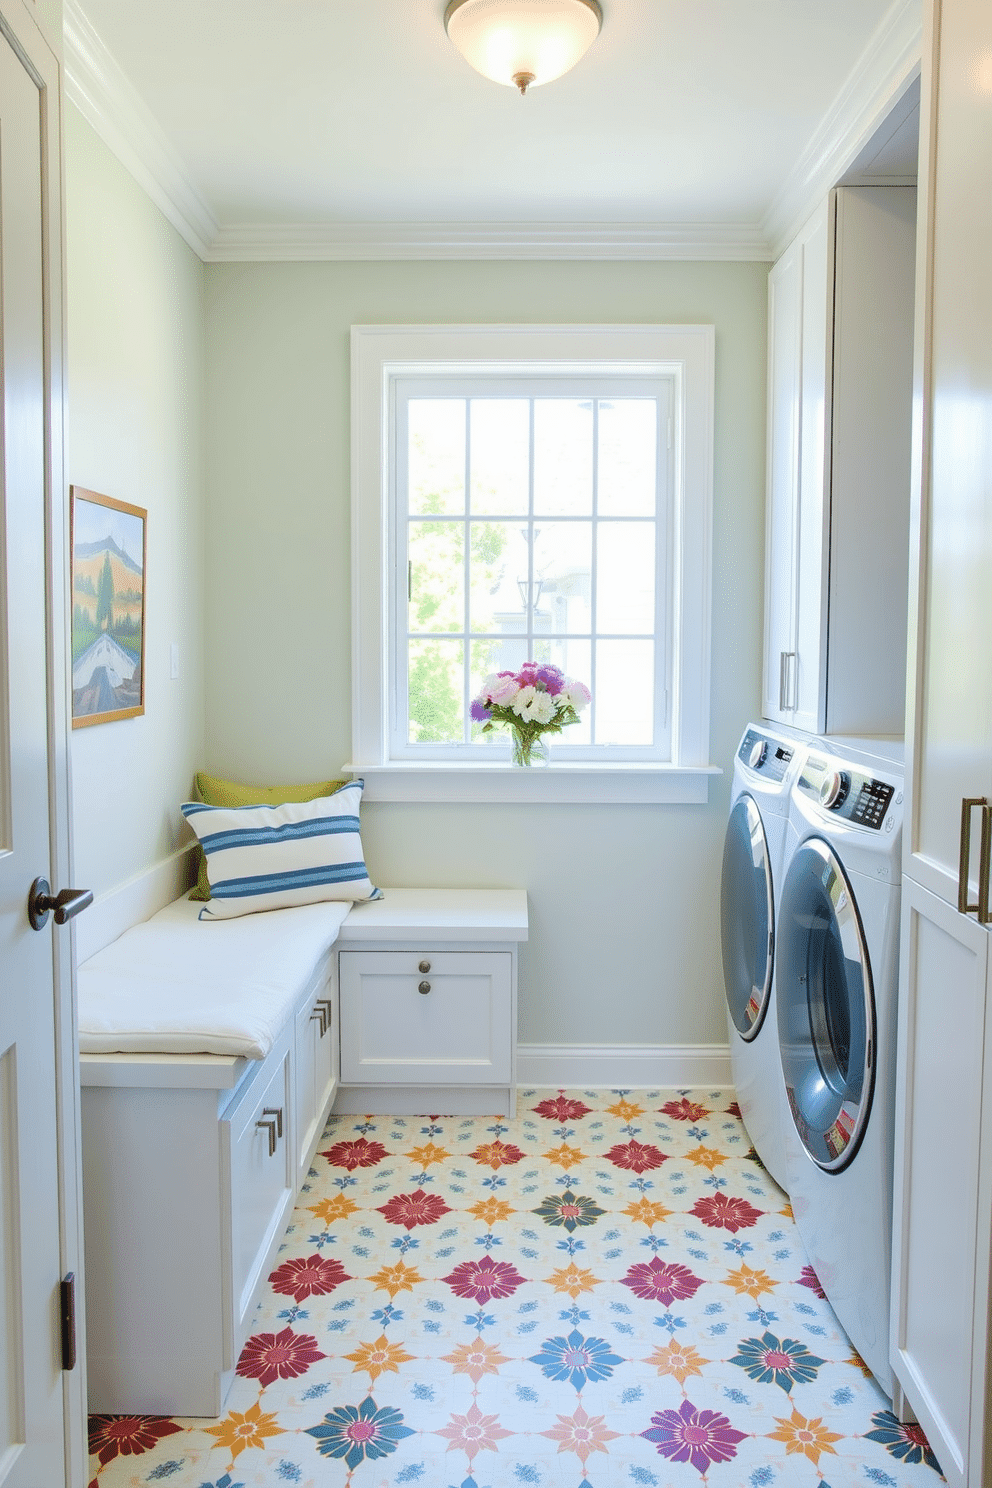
x=836, y=986
x=765, y=767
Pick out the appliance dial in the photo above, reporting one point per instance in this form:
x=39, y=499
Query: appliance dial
x=756, y=758
x=833, y=791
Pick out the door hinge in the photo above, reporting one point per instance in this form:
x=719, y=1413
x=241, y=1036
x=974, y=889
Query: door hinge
x=67, y=1309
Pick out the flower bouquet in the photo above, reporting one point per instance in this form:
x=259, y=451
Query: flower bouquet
x=537, y=700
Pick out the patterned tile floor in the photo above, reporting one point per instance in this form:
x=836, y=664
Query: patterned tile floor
x=606, y=1290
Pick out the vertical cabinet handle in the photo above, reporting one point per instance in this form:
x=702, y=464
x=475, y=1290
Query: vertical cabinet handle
x=786, y=681
x=271, y=1122
x=982, y=908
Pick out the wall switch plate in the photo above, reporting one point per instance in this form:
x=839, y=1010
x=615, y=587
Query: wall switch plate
x=174, y=660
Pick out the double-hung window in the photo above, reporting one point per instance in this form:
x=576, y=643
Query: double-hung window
x=532, y=494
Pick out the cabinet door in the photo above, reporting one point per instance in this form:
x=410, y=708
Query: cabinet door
x=781, y=523
x=952, y=660
x=448, y=1025
x=942, y=1212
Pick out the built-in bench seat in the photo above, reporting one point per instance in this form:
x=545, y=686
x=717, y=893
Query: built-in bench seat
x=209, y=1061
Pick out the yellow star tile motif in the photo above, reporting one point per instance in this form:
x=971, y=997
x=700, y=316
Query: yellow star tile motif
x=573, y=1280
x=331, y=1210
x=786, y=1211
x=625, y=1109
x=427, y=1154
x=380, y=1357
x=806, y=1438
x=749, y=1281
x=855, y=1358
x=398, y=1278
x=678, y=1359
x=706, y=1157
x=648, y=1211
x=565, y=1157
x=475, y=1359
x=237, y=1432
x=490, y=1210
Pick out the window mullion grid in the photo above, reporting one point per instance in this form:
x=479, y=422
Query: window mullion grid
x=466, y=571
x=531, y=404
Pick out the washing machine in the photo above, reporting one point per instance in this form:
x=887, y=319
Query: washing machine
x=765, y=768
x=836, y=989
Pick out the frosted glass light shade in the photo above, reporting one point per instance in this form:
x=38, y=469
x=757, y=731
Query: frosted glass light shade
x=523, y=43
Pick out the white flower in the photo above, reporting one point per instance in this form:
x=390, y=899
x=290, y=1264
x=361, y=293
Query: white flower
x=502, y=690
x=542, y=709
x=577, y=695
x=523, y=700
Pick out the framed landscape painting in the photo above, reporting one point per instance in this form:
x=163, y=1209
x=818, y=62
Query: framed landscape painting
x=108, y=607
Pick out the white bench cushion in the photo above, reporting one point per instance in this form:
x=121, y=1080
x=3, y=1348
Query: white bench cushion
x=179, y=985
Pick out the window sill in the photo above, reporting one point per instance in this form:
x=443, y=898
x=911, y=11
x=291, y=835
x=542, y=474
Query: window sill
x=572, y=783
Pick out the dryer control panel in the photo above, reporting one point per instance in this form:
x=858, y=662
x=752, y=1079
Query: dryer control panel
x=846, y=792
x=768, y=757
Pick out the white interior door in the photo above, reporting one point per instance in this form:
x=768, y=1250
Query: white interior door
x=32, y=1449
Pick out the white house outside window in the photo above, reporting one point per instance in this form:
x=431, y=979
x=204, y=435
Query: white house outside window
x=532, y=493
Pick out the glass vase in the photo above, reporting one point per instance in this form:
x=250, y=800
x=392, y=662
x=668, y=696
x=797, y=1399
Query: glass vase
x=528, y=749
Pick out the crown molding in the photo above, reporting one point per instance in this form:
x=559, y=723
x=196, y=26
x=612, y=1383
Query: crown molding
x=886, y=68
x=487, y=240
x=99, y=89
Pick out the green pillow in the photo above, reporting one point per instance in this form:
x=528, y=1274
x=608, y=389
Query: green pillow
x=213, y=791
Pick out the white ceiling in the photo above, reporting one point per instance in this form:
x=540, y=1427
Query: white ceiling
x=323, y=122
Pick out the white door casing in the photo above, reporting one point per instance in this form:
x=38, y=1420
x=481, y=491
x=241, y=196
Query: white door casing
x=42, y=1416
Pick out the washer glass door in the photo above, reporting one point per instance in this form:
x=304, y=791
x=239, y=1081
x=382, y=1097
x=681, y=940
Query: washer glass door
x=746, y=910
x=826, y=1006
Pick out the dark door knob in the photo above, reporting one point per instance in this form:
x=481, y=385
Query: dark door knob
x=41, y=903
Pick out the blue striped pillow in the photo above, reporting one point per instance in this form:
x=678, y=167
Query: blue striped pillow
x=274, y=857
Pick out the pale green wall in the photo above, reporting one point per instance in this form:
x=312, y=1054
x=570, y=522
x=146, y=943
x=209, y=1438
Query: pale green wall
x=624, y=901
x=135, y=432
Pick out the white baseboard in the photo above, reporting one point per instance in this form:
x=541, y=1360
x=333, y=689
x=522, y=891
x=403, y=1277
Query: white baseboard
x=129, y=903
x=625, y=1066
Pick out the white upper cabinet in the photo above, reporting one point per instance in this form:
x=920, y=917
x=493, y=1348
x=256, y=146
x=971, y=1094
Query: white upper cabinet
x=840, y=398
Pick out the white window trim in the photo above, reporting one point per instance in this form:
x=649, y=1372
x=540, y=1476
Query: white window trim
x=379, y=353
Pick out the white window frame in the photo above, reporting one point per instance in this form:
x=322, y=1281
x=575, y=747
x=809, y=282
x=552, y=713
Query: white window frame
x=380, y=354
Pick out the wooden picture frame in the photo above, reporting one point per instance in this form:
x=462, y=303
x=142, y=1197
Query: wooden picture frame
x=107, y=540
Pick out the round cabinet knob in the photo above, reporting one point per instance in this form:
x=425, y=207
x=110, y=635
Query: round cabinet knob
x=424, y=966
x=756, y=757
x=834, y=789
x=424, y=987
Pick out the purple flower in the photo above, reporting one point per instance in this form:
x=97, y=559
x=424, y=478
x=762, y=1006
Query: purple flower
x=480, y=713
x=689, y=1434
x=553, y=680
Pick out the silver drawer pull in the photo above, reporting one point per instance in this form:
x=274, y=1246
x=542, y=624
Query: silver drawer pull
x=275, y=1111
x=321, y=1014
x=268, y=1124
x=424, y=987
x=424, y=966
x=328, y=1005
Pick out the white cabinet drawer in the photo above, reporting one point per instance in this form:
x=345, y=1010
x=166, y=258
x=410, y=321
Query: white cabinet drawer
x=262, y=1182
x=316, y=1070
x=449, y=1024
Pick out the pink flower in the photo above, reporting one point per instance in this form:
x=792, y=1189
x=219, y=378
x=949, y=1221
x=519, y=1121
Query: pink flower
x=504, y=691
x=722, y=1213
x=657, y=1281
x=271, y=1356
x=700, y=1437
x=485, y=1279
x=473, y=1432
x=414, y=1209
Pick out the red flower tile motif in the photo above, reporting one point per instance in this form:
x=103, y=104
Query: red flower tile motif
x=562, y=1109
x=307, y=1276
x=497, y=1154
x=810, y=1279
x=410, y=1210
x=483, y=1280
x=357, y=1154
x=733, y=1110
x=637, y=1157
x=659, y=1281
x=271, y=1356
x=127, y=1436
x=723, y=1213
x=685, y=1110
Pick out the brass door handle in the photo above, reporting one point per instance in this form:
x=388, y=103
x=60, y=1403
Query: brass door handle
x=964, y=859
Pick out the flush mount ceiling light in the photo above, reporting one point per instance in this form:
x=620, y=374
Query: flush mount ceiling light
x=523, y=42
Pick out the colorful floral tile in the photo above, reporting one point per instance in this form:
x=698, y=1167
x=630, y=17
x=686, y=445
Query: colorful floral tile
x=606, y=1290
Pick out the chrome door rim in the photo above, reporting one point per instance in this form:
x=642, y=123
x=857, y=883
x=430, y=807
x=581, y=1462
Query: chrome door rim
x=833, y=1147
x=757, y=1003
